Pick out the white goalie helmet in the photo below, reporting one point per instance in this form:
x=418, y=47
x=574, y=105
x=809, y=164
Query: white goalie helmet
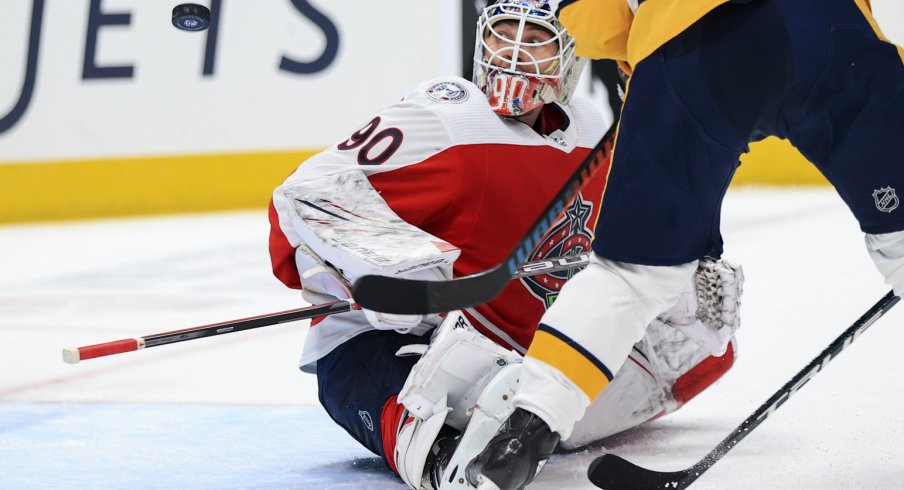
x=518, y=66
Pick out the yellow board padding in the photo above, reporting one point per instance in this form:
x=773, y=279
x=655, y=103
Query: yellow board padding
x=96, y=188
x=775, y=162
x=100, y=188
x=575, y=366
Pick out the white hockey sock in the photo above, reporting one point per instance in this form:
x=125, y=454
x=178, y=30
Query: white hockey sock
x=541, y=383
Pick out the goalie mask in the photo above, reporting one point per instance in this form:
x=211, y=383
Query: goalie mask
x=523, y=58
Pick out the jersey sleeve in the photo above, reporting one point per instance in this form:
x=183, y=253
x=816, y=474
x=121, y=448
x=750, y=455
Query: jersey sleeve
x=629, y=31
x=407, y=159
x=600, y=28
x=282, y=253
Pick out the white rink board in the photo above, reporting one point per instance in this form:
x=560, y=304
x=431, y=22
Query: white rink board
x=890, y=15
x=167, y=105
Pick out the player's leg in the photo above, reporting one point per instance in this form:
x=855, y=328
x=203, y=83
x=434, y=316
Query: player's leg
x=683, y=352
x=673, y=160
x=358, y=383
x=660, y=213
x=851, y=129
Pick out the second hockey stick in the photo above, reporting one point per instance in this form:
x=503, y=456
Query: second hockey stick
x=412, y=297
x=611, y=472
x=75, y=354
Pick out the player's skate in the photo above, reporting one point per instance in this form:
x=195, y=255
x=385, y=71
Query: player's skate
x=492, y=409
x=514, y=456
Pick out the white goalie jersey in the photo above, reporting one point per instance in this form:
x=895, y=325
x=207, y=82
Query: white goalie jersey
x=436, y=184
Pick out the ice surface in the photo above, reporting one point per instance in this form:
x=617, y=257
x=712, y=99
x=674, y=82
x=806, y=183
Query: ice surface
x=233, y=412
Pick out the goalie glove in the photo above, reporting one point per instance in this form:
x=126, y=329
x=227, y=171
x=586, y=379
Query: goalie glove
x=342, y=229
x=708, y=309
x=322, y=283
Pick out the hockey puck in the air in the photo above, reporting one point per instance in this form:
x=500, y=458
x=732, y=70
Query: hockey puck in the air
x=191, y=17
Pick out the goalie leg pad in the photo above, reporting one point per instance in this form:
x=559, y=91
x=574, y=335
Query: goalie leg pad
x=493, y=407
x=702, y=375
x=454, y=370
x=633, y=397
x=665, y=370
x=414, y=441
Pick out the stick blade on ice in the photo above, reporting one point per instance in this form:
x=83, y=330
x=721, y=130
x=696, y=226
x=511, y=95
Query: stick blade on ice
x=611, y=472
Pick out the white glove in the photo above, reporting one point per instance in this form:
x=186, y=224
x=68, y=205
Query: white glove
x=887, y=251
x=322, y=283
x=389, y=321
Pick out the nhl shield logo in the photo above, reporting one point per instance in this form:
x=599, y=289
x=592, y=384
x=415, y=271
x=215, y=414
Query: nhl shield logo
x=886, y=199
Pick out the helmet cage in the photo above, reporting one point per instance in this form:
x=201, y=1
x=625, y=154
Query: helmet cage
x=513, y=78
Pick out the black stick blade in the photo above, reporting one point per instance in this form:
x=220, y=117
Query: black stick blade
x=611, y=472
x=413, y=297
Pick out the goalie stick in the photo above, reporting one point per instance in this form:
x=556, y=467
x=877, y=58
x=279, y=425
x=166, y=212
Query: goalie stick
x=75, y=354
x=414, y=297
x=611, y=472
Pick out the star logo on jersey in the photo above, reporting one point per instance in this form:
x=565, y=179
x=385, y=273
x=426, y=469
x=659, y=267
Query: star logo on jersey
x=886, y=199
x=448, y=92
x=569, y=235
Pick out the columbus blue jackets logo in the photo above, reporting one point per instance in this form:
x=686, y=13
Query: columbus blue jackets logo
x=886, y=199
x=569, y=235
x=447, y=92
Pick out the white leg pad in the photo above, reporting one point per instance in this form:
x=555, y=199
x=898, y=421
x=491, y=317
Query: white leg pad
x=413, y=443
x=493, y=407
x=635, y=396
x=605, y=310
x=644, y=388
x=455, y=368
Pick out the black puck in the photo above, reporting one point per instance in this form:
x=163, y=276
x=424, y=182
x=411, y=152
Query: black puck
x=191, y=17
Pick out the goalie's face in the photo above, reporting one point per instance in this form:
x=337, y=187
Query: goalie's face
x=526, y=49
x=523, y=57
